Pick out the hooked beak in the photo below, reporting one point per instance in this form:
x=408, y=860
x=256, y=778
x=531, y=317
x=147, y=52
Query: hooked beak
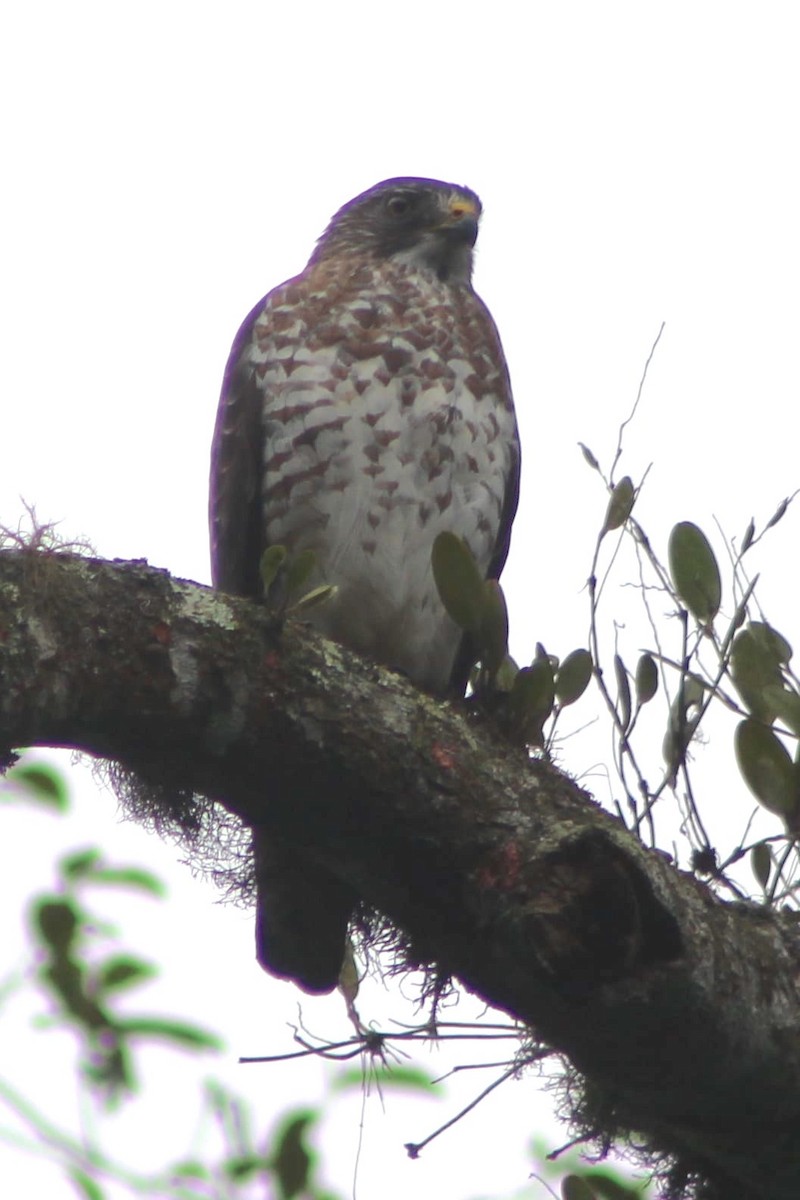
x=461, y=221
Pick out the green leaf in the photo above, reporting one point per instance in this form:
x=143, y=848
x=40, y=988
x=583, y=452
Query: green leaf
x=292, y=1161
x=405, y=1079
x=694, y=570
x=43, y=784
x=458, y=581
x=79, y=863
x=190, y=1037
x=573, y=677
x=122, y=971
x=532, y=698
x=493, y=633
x=242, y=1167
x=573, y=1187
x=620, y=505
x=131, y=877
x=272, y=560
x=761, y=863
x=766, y=767
x=778, y=514
x=299, y=570
x=624, y=709
x=757, y=655
x=749, y=534
x=318, y=595
x=646, y=679
x=590, y=458
x=537, y=688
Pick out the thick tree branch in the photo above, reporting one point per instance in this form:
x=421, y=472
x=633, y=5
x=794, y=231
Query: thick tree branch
x=680, y=1010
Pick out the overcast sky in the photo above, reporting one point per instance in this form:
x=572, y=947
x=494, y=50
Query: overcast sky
x=167, y=164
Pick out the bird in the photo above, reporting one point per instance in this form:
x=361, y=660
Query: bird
x=365, y=408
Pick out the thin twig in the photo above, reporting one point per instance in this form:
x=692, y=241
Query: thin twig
x=632, y=413
x=415, y=1148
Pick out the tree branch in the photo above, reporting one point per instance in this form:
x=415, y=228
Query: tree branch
x=680, y=1010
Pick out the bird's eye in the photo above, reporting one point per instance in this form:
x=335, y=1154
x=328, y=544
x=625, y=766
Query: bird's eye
x=398, y=206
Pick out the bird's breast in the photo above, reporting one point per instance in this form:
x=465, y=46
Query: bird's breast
x=387, y=420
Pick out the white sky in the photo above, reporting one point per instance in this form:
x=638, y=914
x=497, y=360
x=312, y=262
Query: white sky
x=166, y=164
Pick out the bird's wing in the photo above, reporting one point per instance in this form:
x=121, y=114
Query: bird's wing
x=459, y=676
x=510, y=502
x=235, y=519
x=466, y=656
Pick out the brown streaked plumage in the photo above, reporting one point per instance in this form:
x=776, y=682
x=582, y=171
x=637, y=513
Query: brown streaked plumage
x=365, y=408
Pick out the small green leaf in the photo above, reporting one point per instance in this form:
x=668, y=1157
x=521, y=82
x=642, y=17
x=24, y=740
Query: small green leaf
x=129, y=877
x=80, y=863
x=694, y=571
x=405, y=1079
x=458, y=581
x=538, y=687
x=314, y=598
x=541, y=652
x=242, y=1167
x=624, y=709
x=349, y=976
x=747, y=540
x=757, y=654
x=590, y=458
x=573, y=1187
x=766, y=767
x=620, y=505
x=123, y=971
x=191, y=1037
x=778, y=514
x=532, y=698
x=292, y=1160
x=761, y=863
x=646, y=679
x=573, y=677
x=299, y=570
x=272, y=560
x=493, y=633
x=44, y=784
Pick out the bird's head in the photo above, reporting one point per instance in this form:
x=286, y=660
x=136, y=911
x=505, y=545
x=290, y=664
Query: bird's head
x=421, y=222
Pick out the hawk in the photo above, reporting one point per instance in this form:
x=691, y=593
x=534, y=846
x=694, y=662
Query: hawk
x=365, y=408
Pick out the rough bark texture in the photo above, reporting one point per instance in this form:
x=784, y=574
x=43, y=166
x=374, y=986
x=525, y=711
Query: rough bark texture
x=680, y=1010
